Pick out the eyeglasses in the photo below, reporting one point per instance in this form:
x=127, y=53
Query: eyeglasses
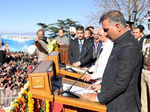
x=105, y=29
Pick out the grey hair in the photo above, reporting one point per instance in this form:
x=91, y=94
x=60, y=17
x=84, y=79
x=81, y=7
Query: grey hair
x=113, y=16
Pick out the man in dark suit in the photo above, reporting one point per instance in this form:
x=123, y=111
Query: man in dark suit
x=138, y=33
x=97, y=44
x=119, y=88
x=80, y=50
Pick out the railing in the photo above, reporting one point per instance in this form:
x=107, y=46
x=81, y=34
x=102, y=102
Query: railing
x=25, y=103
x=6, y=98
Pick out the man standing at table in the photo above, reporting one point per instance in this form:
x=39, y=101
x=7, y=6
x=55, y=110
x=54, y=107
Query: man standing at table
x=119, y=90
x=80, y=50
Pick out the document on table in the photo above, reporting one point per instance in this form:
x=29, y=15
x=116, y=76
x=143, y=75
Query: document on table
x=77, y=89
x=76, y=69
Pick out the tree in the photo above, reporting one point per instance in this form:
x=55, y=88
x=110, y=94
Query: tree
x=61, y=24
x=133, y=10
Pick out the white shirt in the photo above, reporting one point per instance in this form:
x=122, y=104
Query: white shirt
x=81, y=41
x=101, y=62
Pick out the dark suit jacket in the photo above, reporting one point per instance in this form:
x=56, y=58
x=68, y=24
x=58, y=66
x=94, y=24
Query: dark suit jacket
x=141, y=42
x=95, y=55
x=84, y=57
x=120, y=80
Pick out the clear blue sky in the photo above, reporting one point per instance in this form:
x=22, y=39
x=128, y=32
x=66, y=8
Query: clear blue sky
x=23, y=15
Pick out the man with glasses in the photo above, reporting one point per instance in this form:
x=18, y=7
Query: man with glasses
x=119, y=88
x=97, y=44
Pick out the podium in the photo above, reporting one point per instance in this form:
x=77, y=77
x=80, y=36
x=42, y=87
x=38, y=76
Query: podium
x=54, y=56
x=39, y=80
x=40, y=87
x=63, y=51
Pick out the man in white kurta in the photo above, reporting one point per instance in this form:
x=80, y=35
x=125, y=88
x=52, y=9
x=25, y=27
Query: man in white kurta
x=99, y=67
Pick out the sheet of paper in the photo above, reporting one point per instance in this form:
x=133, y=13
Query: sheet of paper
x=76, y=89
x=76, y=69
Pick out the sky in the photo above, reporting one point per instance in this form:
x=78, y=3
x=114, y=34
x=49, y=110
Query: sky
x=22, y=16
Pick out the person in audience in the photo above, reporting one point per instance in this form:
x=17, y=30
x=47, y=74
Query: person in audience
x=62, y=39
x=7, y=94
x=80, y=50
x=6, y=48
x=119, y=88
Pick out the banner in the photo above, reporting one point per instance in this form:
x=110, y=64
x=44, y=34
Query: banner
x=16, y=45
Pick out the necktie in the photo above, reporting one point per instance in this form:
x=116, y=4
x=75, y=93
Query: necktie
x=95, y=50
x=80, y=45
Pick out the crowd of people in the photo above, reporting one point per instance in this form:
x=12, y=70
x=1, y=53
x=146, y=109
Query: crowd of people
x=13, y=75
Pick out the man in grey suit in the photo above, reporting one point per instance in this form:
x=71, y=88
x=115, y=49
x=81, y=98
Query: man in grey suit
x=119, y=88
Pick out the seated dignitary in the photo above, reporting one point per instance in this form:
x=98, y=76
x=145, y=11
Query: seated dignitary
x=80, y=50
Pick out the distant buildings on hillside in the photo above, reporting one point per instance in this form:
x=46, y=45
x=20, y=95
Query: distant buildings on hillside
x=18, y=36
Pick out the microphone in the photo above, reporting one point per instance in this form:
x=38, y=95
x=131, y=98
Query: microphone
x=68, y=91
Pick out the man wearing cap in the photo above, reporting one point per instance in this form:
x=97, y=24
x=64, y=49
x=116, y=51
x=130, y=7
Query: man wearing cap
x=72, y=31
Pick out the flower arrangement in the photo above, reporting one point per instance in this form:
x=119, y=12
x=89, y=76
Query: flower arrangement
x=52, y=45
x=25, y=103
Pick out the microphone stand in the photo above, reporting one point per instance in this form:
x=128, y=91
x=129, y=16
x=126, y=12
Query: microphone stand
x=68, y=91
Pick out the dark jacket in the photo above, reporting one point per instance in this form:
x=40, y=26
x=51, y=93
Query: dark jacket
x=120, y=80
x=85, y=56
x=96, y=53
x=141, y=42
